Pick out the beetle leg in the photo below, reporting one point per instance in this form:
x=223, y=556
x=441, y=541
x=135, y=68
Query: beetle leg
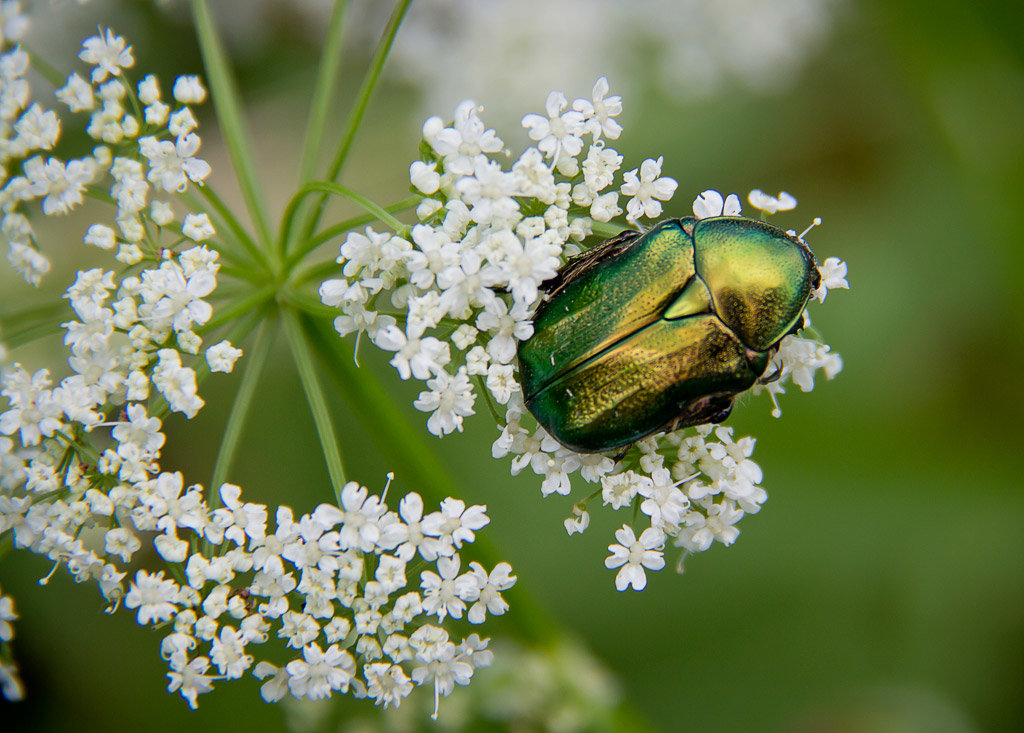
x=773, y=377
x=720, y=416
x=710, y=409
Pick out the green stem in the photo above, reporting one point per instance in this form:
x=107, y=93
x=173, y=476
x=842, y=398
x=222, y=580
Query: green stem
x=28, y=324
x=326, y=83
x=288, y=220
x=334, y=230
x=308, y=304
x=231, y=221
x=228, y=107
x=44, y=68
x=158, y=406
x=240, y=410
x=404, y=446
x=28, y=335
x=317, y=273
x=485, y=393
x=303, y=355
x=248, y=303
x=356, y=116
x=99, y=194
x=241, y=272
x=380, y=55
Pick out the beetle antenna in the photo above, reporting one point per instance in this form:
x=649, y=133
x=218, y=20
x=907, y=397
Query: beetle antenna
x=816, y=222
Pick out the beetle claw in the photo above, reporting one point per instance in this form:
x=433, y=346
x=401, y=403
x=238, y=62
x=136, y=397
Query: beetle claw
x=773, y=377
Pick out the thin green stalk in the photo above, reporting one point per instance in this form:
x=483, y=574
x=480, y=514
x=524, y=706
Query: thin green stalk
x=303, y=355
x=32, y=317
x=44, y=68
x=244, y=305
x=369, y=84
x=403, y=445
x=13, y=339
x=240, y=408
x=326, y=83
x=228, y=106
x=308, y=304
x=485, y=393
x=317, y=273
x=380, y=55
x=98, y=194
x=288, y=219
x=307, y=246
x=228, y=217
x=241, y=272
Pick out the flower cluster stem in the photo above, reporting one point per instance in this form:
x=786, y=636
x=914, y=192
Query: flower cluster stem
x=326, y=83
x=355, y=118
x=326, y=187
x=229, y=219
x=240, y=409
x=228, y=105
x=303, y=355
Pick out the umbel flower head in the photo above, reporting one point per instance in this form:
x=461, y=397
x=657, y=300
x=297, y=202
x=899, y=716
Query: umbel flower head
x=353, y=597
x=453, y=296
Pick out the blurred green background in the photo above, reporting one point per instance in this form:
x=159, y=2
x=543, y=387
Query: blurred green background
x=882, y=586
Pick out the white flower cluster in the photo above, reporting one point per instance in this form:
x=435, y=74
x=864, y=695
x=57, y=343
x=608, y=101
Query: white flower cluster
x=557, y=686
x=11, y=686
x=460, y=289
x=453, y=300
x=80, y=475
x=146, y=146
x=331, y=586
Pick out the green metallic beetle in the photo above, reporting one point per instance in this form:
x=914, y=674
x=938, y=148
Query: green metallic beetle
x=662, y=329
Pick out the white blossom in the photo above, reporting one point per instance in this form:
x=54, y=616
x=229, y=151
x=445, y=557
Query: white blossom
x=108, y=53
x=647, y=190
x=633, y=555
x=711, y=203
x=222, y=356
x=771, y=204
